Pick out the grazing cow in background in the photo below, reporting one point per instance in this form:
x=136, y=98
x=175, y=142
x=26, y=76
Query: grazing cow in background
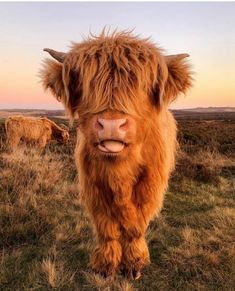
x=31, y=129
x=120, y=87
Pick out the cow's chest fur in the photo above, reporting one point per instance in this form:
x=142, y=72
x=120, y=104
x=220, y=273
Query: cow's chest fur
x=117, y=188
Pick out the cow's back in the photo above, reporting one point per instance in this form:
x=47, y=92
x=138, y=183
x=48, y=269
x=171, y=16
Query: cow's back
x=26, y=128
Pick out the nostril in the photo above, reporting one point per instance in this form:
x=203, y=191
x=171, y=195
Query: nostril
x=99, y=124
x=124, y=125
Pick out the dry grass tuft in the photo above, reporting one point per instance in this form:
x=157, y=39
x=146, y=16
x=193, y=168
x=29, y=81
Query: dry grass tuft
x=48, y=267
x=96, y=282
x=205, y=166
x=56, y=274
x=188, y=235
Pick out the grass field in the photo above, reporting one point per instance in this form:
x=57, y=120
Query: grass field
x=46, y=240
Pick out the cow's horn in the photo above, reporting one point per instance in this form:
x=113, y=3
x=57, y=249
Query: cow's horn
x=59, y=56
x=176, y=57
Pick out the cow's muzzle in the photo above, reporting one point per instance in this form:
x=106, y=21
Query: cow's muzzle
x=111, y=134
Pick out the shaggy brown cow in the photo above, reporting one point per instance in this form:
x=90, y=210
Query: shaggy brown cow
x=120, y=86
x=31, y=129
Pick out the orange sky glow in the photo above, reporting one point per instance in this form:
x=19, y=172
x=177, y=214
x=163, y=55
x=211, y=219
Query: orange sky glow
x=209, y=40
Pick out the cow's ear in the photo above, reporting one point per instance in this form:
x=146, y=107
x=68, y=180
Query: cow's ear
x=72, y=88
x=52, y=79
x=179, y=78
x=62, y=80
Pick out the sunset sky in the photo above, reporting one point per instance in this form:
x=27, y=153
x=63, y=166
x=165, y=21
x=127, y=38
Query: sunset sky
x=204, y=30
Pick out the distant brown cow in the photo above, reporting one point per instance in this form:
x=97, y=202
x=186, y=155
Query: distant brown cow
x=31, y=129
x=120, y=86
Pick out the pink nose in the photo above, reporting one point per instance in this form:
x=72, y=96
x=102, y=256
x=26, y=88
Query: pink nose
x=111, y=128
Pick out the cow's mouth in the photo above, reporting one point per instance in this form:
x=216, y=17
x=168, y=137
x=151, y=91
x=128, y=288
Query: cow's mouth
x=111, y=146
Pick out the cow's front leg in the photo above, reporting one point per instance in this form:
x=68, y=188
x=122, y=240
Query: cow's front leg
x=108, y=252
x=147, y=200
x=135, y=253
x=127, y=214
x=135, y=256
x=129, y=222
x=133, y=226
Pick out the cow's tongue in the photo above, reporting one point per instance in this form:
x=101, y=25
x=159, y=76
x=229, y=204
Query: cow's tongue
x=111, y=146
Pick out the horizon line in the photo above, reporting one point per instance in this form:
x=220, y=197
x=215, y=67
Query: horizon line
x=59, y=109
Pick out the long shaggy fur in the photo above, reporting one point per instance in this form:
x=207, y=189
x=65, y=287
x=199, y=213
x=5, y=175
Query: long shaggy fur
x=31, y=129
x=114, y=76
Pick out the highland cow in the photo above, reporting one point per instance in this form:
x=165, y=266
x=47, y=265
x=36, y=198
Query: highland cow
x=120, y=87
x=31, y=129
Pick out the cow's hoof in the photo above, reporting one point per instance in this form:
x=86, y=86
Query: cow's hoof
x=131, y=274
x=136, y=274
x=107, y=274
